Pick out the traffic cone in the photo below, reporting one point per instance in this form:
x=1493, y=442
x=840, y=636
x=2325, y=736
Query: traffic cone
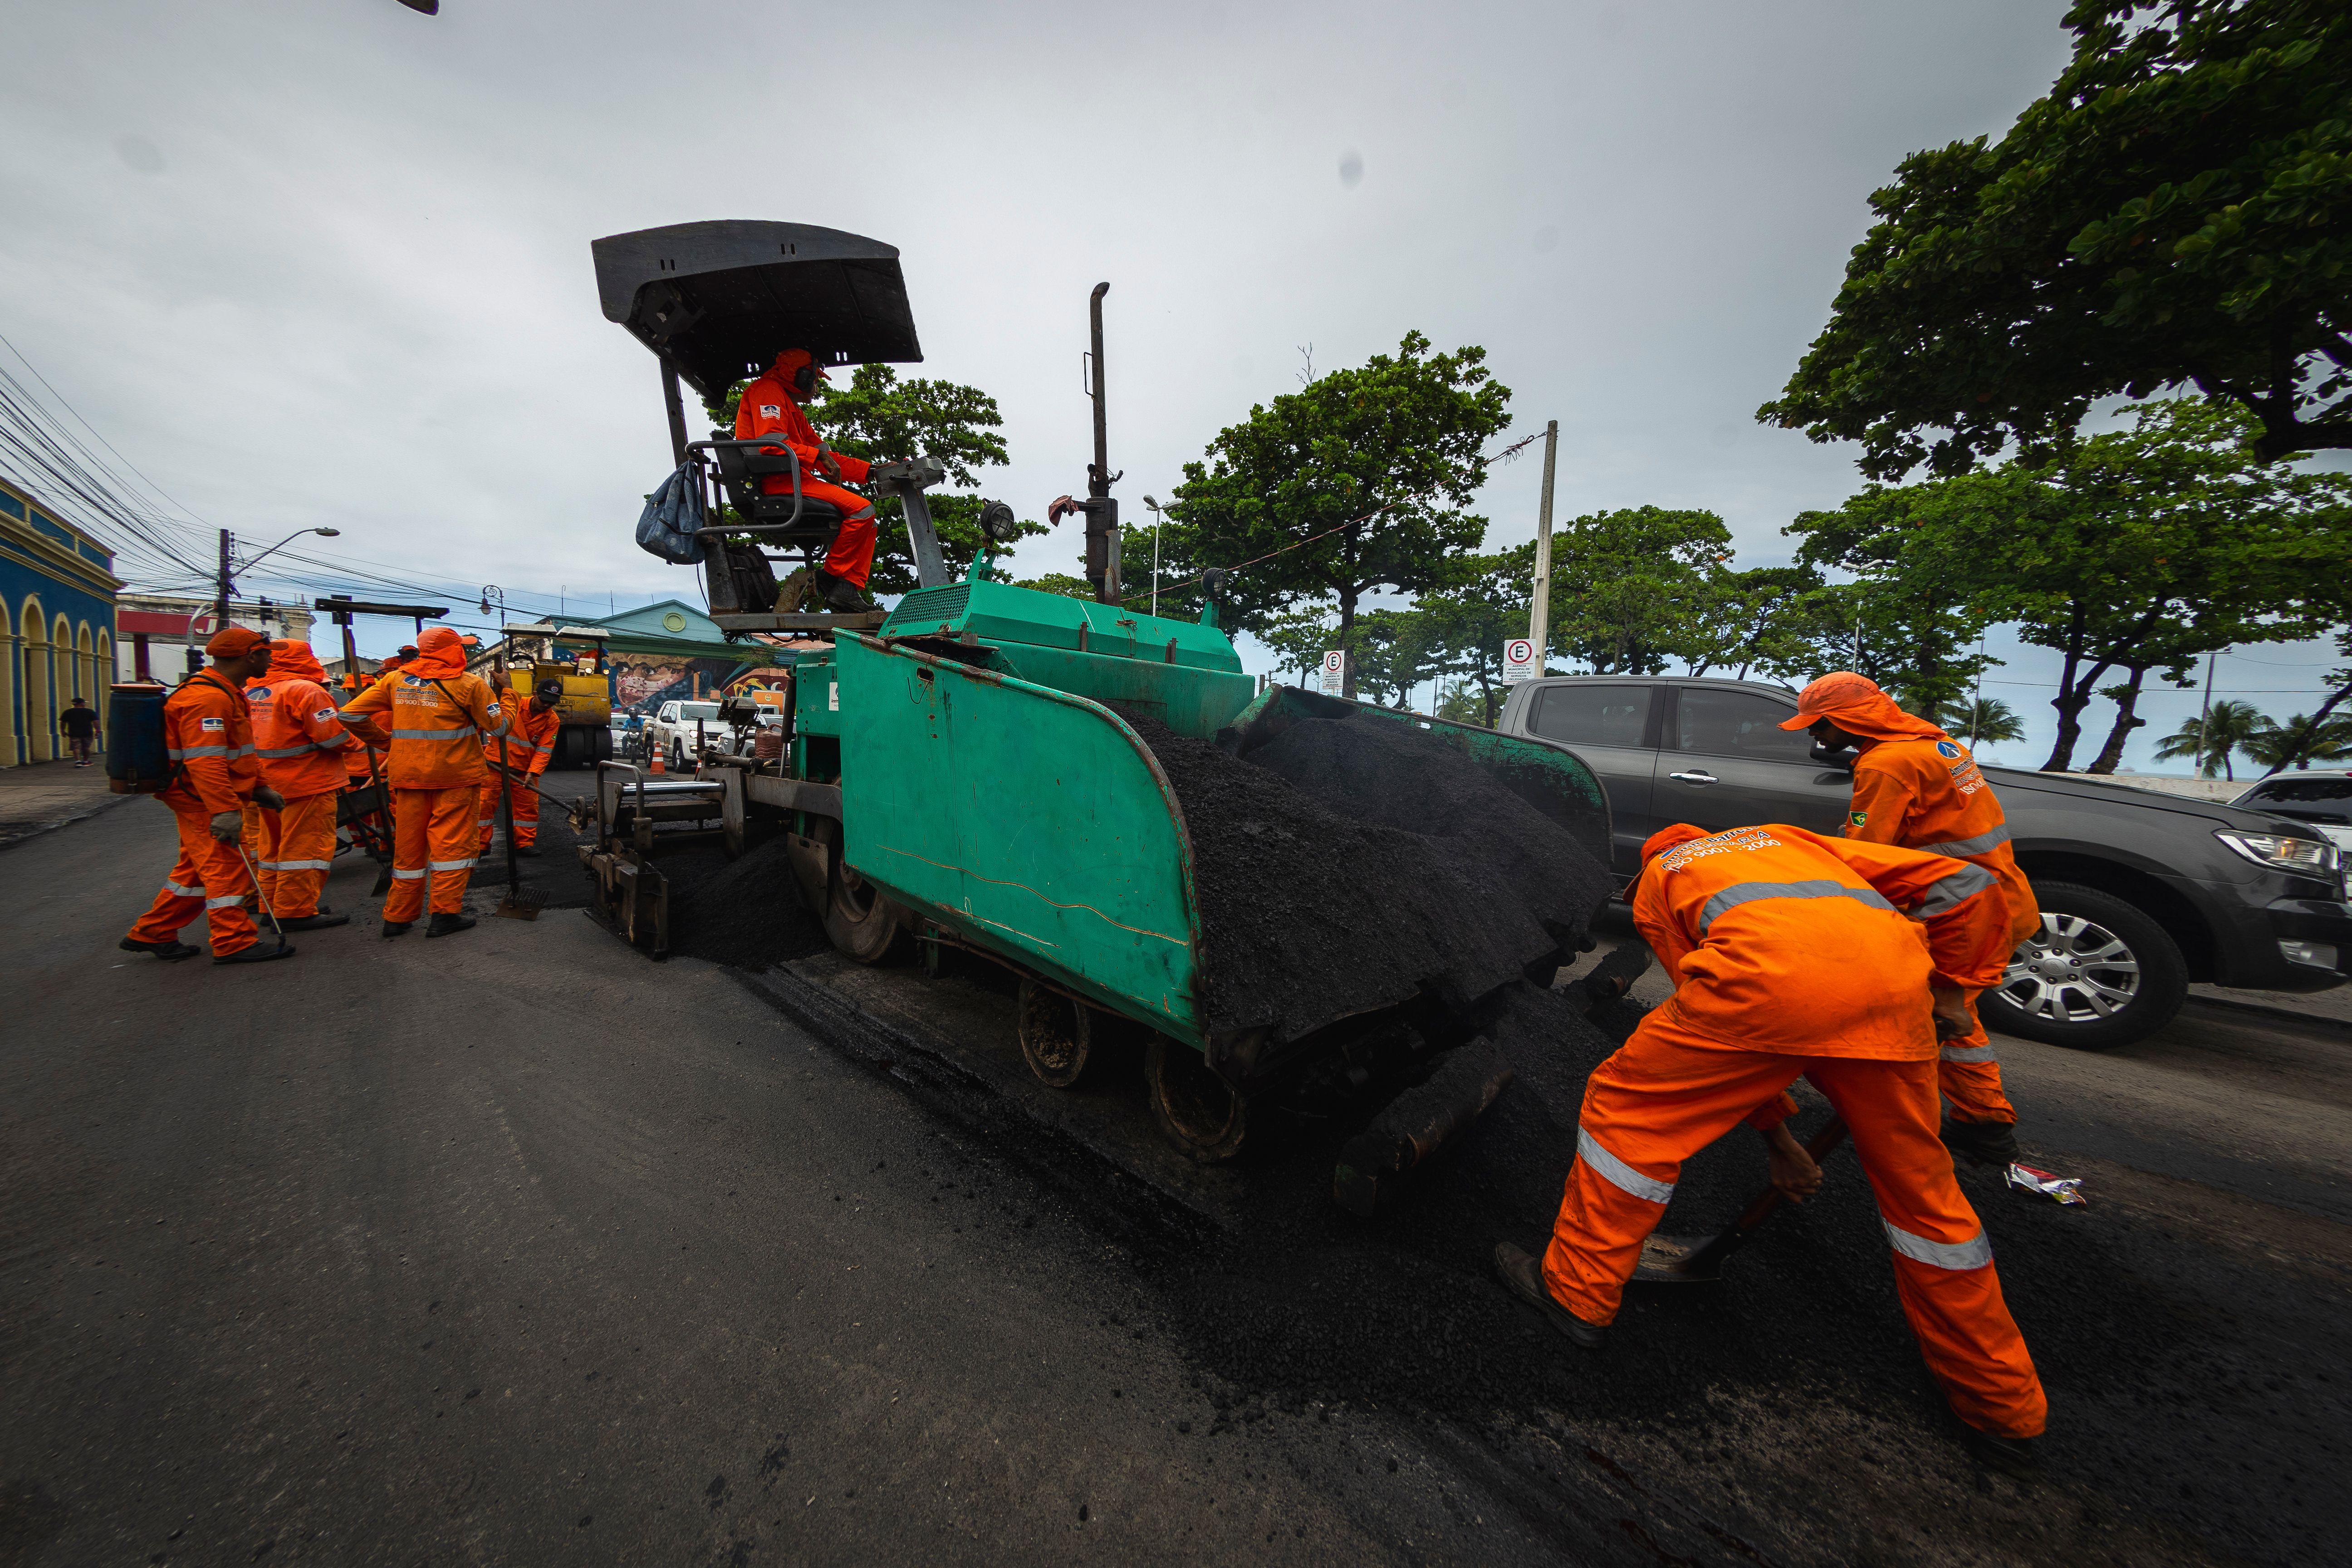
x=655, y=764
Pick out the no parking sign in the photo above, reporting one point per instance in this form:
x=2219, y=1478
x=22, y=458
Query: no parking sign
x=1335, y=672
x=1518, y=660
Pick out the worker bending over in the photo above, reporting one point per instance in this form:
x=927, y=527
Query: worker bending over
x=209, y=738
x=300, y=743
x=435, y=765
x=1841, y=961
x=772, y=407
x=1915, y=786
x=526, y=749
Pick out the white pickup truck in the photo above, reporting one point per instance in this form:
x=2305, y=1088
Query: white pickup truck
x=680, y=729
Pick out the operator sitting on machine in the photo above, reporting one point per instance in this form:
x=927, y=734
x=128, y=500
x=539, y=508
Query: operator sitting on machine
x=772, y=407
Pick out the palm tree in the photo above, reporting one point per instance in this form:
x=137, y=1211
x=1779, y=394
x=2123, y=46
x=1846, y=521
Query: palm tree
x=2332, y=743
x=2228, y=727
x=1986, y=721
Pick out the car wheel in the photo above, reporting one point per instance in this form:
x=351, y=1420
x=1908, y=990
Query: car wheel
x=2099, y=973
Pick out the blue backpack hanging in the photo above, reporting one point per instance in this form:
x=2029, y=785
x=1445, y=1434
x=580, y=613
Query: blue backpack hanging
x=672, y=517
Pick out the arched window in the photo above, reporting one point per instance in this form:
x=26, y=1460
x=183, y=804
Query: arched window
x=13, y=752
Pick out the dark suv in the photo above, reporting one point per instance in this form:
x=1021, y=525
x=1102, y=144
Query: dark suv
x=2141, y=893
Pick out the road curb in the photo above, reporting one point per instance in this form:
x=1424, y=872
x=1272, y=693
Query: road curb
x=103, y=802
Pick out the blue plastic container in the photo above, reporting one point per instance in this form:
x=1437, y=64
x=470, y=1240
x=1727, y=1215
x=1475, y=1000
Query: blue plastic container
x=137, y=761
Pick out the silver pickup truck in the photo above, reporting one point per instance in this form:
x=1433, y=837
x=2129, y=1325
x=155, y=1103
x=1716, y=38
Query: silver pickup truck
x=2141, y=893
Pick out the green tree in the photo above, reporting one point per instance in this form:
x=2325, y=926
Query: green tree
x=2209, y=742
x=1626, y=586
x=881, y=418
x=1981, y=720
x=1356, y=483
x=1741, y=619
x=2321, y=723
x=2176, y=211
x=1481, y=605
x=2300, y=742
x=1300, y=638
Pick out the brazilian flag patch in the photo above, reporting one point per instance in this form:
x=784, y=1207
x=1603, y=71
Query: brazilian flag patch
x=1857, y=817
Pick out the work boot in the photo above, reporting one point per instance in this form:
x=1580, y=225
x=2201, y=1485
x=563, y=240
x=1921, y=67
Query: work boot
x=397, y=928
x=842, y=596
x=318, y=922
x=1981, y=1142
x=1522, y=1275
x=448, y=925
x=528, y=851
x=257, y=953
x=170, y=952
x=2013, y=1456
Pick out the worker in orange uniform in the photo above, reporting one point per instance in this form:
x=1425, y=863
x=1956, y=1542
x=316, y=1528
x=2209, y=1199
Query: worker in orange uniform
x=209, y=738
x=301, y=745
x=434, y=758
x=1915, y=786
x=526, y=749
x=1842, y=961
x=772, y=406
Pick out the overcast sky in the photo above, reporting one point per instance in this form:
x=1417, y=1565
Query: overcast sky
x=328, y=261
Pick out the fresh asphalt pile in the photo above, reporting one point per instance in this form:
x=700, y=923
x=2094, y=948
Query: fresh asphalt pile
x=747, y=913
x=1350, y=865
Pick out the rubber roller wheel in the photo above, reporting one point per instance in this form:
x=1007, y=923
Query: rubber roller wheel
x=1200, y=1113
x=859, y=921
x=1056, y=1033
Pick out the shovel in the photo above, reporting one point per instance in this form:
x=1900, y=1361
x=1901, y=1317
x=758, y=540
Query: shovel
x=521, y=903
x=1698, y=1259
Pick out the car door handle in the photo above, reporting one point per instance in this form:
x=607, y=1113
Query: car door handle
x=1694, y=776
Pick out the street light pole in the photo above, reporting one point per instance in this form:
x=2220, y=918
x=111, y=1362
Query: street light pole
x=227, y=580
x=1539, y=612
x=1158, y=518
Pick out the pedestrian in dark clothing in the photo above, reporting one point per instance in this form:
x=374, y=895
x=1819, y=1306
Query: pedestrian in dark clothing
x=80, y=724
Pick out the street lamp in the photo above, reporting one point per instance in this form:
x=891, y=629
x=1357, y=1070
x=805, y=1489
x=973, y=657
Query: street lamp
x=1157, y=517
x=491, y=592
x=252, y=562
x=227, y=583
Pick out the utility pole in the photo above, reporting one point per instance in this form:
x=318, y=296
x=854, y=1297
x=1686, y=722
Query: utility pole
x=1102, y=512
x=1539, y=612
x=220, y=604
x=2205, y=714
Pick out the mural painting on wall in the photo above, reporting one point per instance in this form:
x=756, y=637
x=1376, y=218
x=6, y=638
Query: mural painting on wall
x=646, y=683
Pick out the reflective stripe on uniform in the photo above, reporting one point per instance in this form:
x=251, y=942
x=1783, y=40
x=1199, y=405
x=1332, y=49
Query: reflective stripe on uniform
x=451, y=865
x=183, y=753
x=225, y=903
x=1974, y=1253
x=303, y=865
x=1816, y=888
x=400, y=876
x=433, y=735
x=285, y=750
x=1982, y=844
x=1966, y=1054
x=1618, y=1173
x=177, y=892
x=1955, y=889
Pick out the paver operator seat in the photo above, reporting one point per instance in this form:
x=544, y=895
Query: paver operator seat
x=716, y=302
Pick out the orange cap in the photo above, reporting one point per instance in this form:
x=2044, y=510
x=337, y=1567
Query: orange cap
x=1665, y=839
x=235, y=642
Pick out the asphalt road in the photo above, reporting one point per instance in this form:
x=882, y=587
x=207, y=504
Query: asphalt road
x=516, y=1248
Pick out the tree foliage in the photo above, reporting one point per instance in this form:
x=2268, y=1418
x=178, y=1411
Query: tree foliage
x=1626, y=586
x=1981, y=720
x=1360, y=481
x=2176, y=210
x=2212, y=739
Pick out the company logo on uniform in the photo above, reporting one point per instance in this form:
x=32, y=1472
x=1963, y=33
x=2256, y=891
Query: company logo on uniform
x=1857, y=817
x=214, y=724
x=770, y=411
x=1947, y=749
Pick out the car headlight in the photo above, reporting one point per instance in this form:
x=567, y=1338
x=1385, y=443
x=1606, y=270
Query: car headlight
x=2313, y=857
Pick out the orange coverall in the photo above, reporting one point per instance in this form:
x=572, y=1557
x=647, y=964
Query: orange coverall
x=209, y=735
x=435, y=766
x=1793, y=953
x=770, y=408
x=1920, y=789
x=527, y=747
x=299, y=743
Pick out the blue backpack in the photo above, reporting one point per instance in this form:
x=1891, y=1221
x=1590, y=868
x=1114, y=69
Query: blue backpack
x=672, y=517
